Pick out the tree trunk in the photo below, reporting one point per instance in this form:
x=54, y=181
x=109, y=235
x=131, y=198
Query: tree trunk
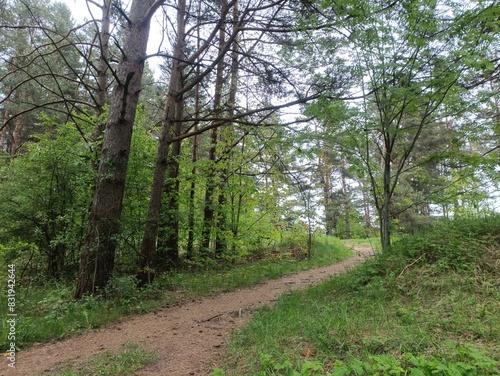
x=168, y=231
x=366, y=205
x=194, y=155
x=385, y=228
x=102, y=67
x=16, y=136
x=345, y=194
x=236, y=205
x=192, y=189
x=3, y=135
x=147, y=258
x=98, y=254
x=385, y=212
x=221, y=245
x=327, y=191
x=209, y=212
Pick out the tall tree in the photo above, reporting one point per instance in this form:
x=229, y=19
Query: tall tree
x=409, y=59
x=98, y=254
x=210, y=216
x=213, y=51
x=171, y=123
x=39, y=67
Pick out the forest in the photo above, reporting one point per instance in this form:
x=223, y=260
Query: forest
x=151, y=137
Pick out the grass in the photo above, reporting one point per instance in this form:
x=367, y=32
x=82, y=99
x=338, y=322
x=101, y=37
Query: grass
x=326, y=250
x=128, y=360
x=49, y=312
x=434, y=300
x=373, y=243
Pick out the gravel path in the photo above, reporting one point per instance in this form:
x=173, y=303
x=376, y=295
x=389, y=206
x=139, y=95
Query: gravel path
x=189, y=339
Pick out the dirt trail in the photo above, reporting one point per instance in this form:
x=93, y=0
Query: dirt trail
x=188, y=339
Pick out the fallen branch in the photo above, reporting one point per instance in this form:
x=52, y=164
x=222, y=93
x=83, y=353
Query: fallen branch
x=213, y=317
x=407, y=266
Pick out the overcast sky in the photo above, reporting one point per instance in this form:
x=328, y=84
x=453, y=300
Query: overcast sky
x=81, y=13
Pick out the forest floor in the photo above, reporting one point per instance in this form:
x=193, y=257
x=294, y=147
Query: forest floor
x=188, y=339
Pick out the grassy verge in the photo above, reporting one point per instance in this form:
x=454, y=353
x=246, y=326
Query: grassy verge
x=48, y=312
x=429, y=307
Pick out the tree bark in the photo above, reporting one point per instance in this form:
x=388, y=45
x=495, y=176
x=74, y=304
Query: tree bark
x=148, y=262
x=345, y=194
x=16, y=136
x=366, y=205
x=102, y=66
x=168, y=231
x=209, y=218
x=384, y=212
x=98, y=254
x=221, y=245
x=194, y=155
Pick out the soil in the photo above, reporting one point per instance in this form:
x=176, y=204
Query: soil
x=189, y=339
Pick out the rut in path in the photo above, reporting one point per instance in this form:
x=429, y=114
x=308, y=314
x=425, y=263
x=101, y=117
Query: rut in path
x=188, y=339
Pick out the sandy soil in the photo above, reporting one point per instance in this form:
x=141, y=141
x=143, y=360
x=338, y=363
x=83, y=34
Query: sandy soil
x=189, y=339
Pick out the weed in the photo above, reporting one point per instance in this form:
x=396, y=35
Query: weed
x=465, y=361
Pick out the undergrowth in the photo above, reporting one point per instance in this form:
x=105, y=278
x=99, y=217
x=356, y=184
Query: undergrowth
x=49, y=312
x=395, y=314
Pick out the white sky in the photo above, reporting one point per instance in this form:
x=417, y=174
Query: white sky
x=81, y=13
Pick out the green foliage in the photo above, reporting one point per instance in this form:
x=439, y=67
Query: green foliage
x=49, y=190
x=402, y=302
x=47, y=194
x=464, y=361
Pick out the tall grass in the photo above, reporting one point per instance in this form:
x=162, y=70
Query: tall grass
x=431, y=293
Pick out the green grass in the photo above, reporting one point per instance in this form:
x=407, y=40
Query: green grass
x=326, y=250
x=49, y=312
x=128, y=360
x=373, y=243
x=433, y=296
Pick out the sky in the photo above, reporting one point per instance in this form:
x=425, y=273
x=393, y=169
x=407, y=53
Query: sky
x=81, y=13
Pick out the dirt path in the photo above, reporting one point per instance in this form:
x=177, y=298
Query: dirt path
x=188, y=339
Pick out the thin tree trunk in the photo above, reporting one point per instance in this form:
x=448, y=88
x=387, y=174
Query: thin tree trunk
x=147, y=262
x=192, y=189
x=345, y=194
x=98, y=254
x=16, y=136
x=221, y=244
x=168, y=231
x=209, y=212
x=194, y=157
x=385, y=212
x=3, y=135
x=236, y=209
x=102, y=66
x=327, y=191
x=366, y=205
